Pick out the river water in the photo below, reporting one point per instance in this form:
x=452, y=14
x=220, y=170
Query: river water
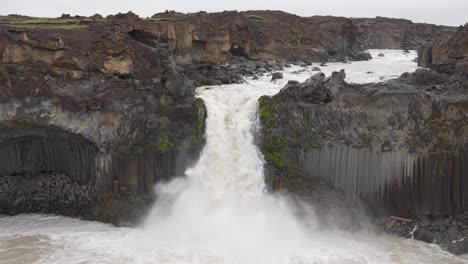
x=220, y=212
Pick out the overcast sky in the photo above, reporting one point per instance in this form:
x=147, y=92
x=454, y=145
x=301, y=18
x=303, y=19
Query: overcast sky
x=446, y=12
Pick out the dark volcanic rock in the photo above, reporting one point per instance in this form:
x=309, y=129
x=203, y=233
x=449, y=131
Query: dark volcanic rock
x=424, y=235
x=276, y=76
x=411, y=120
x=390, y=33
x=45, y=193
x=445, y=53
x=386, y=144
x=317, y=89
x=179, y=86
x=101, y=103
x=449, y=233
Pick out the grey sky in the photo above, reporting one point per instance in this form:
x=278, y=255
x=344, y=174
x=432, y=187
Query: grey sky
x=446, y=12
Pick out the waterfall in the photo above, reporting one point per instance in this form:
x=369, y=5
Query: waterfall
x=220, y=213
x=222, y=205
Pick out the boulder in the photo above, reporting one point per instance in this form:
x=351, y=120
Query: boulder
x=276, y=76
x=423, y=234
x=178, y=85
x=316, y=90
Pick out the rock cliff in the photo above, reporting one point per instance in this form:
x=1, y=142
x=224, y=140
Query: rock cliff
x=391, y=33
x=400, y=146
x=94, y=111
x=102, y=103
x=445, y=54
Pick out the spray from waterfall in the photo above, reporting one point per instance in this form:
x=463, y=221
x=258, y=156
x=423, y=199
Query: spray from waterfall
x=221, y=204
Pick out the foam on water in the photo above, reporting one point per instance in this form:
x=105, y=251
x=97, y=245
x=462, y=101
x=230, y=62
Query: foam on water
x=220, y=213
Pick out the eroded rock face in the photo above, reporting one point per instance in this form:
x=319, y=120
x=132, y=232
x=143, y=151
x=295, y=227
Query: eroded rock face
x=447, y=54
x=104, y=107
x=391, y=33
x=387, y=143
x=400, y=146
x=316, y=90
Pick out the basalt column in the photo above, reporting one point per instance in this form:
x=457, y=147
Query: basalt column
x=48, y=173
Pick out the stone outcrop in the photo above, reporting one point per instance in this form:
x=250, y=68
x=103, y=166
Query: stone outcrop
x=381, y=142
x=445, y=54
x=279, y=35
x=448, y=232
x=391, y=33
x=260, y=35
x=399, y=146
x=96, y=104
x=45, y=193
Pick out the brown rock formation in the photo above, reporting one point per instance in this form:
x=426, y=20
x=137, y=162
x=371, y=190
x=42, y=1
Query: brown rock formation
x=447, y=52
x=391, y=33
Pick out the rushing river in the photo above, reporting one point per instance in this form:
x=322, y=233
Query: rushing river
x=220, y=212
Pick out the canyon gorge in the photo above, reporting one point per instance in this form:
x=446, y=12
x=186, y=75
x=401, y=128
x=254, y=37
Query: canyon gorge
x=97, y=111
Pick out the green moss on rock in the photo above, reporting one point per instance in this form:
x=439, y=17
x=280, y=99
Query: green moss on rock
x=164, y=143
x=265, y=110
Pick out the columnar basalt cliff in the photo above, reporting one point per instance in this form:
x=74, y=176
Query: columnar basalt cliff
x=94, y=111
x=444, y=54
x=391, y=33
x=399, y=146
x=103, y=104
x=279, y=35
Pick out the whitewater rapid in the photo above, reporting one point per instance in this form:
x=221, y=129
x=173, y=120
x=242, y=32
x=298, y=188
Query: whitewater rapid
x=220, y=212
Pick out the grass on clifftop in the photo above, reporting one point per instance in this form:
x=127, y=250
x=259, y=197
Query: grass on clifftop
x=50, y=21
x=158, y=19
x=69, y=23
x=256, y=17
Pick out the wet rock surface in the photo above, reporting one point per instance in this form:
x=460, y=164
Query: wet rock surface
x=398, y=146
x=451, y=233
x=342, y=132
x=45, y=193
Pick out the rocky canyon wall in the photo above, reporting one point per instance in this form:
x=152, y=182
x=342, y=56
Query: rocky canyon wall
x=94, y=111
x=400, y=146
x=101, y=106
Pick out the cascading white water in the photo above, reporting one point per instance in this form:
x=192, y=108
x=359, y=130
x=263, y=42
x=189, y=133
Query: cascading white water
x=220, y=212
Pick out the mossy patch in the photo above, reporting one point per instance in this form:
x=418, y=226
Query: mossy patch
x=122, y=151
x=265, y=111
x=442, y=145
x=445, y=140
x=256, y=17
x=164, y=143
x=119, y=210
x=159, y=19
x=95, y=56
x=275, y=158
x=275, y=152
x=199, y=103
x=165, y=101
